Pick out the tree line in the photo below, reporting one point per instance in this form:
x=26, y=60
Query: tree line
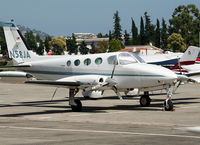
x=182, y=31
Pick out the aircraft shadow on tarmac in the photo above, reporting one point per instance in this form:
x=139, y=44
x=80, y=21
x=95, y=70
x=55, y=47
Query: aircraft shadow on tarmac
x=156, y=105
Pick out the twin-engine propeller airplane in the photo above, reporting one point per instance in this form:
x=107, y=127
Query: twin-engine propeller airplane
x=118, y=71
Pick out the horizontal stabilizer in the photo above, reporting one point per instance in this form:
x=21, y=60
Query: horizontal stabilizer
x=15, y=74
x=14, y=66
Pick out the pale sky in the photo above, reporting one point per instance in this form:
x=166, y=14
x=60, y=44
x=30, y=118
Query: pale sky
x=64, y=17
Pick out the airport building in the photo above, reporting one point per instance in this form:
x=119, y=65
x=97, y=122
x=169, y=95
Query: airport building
x=142, y=49
x=88, y=38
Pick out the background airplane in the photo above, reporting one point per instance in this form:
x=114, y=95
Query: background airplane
x=174, y=60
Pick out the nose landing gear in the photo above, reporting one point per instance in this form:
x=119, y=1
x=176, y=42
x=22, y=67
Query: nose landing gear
x=168, y=104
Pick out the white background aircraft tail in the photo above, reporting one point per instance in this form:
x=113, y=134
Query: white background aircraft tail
x=190, y=54
x=188, y=58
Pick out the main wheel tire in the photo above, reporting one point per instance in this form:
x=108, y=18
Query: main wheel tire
x=168, y=105
x=77, y=107
x=145, y=100
x=86, y=97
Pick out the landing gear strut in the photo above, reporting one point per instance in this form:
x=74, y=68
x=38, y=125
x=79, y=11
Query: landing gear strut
x=145, y=100
x=168, y=104
x=75, y=104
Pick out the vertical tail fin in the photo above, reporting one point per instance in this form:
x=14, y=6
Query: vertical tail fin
x=190, y=55
x=188, y=58
x=16, y=44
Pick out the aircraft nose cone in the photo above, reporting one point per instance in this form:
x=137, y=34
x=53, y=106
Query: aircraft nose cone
x=165, y=76
x=169, y=76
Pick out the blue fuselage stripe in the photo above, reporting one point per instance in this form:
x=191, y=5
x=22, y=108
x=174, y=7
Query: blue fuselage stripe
x=167, y=62
x=85, y=73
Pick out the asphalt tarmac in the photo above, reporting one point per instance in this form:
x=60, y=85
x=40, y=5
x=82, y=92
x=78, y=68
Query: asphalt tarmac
x=28, y=116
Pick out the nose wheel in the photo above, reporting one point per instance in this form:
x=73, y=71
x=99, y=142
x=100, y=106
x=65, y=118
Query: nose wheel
x=168, y=105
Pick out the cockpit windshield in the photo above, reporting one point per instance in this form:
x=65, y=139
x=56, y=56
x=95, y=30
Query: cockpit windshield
x=128, y=58
x=138, y=58
x=112, y=60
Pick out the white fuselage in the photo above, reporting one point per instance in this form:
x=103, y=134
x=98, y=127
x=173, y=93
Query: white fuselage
x=130, y=75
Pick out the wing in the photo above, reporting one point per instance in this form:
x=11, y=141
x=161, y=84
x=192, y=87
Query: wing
x=87, y=82
x=66, y=84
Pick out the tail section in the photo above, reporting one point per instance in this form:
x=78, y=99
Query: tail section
x=16, y=44
x=190, y=55
x=188, y=58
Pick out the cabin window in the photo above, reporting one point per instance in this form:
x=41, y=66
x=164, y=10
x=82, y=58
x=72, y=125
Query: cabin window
x=98, y=60
x=77, y=62
x=126, y=58
x=68, y=63
x=112, y=60
x=87, y=61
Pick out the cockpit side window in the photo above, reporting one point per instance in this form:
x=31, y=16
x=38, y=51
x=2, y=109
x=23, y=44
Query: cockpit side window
x=112, y=60
x=126, y=58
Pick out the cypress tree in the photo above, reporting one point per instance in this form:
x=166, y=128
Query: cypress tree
x=164, y=35
x=147, y=28
x=142, y=35
x=157, y=34
x=117, y=26
x=134, y=31
x=126, y=38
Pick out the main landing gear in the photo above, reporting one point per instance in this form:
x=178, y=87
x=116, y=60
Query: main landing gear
x=75, y=104
x=145, y=100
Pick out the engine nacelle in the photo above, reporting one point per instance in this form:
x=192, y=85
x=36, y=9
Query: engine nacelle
x=131, y=92
x=86, y=79
x=92, y=94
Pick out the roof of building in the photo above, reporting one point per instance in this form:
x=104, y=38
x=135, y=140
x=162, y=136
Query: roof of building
x=143, y=47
